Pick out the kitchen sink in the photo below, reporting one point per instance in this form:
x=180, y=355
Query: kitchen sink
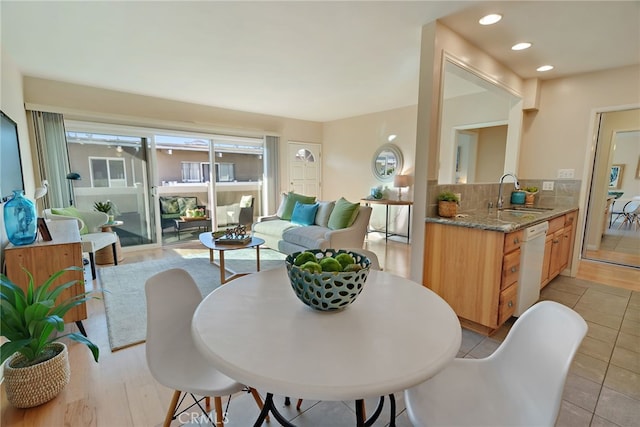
x=537, y=209
x=521, y=212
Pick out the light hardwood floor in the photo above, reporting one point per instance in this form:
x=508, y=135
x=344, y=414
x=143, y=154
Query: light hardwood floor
x=120, y=391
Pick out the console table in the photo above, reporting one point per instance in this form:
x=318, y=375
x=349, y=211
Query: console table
x=388, y=203
x=42, y=259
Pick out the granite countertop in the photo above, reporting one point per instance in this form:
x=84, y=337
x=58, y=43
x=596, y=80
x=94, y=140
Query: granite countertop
x=502, y=220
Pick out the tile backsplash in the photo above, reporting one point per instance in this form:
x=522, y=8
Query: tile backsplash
x=565, y=192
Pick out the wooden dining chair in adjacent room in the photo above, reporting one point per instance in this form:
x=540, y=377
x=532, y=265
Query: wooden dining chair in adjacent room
x=520, y=384
x=172, y=357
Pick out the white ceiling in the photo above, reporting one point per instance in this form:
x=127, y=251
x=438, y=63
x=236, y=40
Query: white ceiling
x=308, y=60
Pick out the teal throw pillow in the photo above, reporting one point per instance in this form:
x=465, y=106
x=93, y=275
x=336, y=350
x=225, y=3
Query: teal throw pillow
x=304, y=214
x=343, y=214
x=292, y=198
x=73, y=212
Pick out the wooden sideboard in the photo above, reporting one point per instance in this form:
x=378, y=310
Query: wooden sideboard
x=42, y=259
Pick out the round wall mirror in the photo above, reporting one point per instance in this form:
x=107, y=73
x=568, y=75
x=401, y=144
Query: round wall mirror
x=387, y=161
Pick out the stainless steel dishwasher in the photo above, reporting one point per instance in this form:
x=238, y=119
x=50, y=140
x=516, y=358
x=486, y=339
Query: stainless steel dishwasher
x=531, y=258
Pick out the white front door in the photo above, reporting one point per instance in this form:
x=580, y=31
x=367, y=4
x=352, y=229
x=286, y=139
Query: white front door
x=305, y=168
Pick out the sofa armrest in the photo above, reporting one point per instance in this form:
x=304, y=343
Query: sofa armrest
x=267, y=218
x=353, y=236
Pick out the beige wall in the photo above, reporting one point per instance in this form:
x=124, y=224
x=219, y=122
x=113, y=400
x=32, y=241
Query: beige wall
x=80, y=102
x=349, y=146
x=557, y=135
x=491, y=148
x=11, y=103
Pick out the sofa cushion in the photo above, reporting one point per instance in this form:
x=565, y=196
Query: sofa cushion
x=324, y=211
x=272, y=228
x=343, y=214
x=187, y=203
x=169, y=206
x=246, y=201
x=292, y=198
x=73, y=212
x=283, y=203
x=304, y=214
x=308, y=237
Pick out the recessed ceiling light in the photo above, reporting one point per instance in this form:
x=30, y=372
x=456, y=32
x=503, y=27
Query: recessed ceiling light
x=545, y=68
x=490, y=19
x=521, y=46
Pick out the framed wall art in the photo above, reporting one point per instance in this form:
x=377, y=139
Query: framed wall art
x=615, y=176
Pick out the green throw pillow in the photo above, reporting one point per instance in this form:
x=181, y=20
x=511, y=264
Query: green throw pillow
x=71, y=211
x=187, y=203
x=343, y=214
x=169, y=205
x=292, y=198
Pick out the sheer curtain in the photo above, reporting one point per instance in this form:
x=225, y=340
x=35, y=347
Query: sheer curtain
x=52, y=156
x=271, y=181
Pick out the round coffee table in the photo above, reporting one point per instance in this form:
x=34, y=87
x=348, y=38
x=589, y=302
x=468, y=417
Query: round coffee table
x=208, y=240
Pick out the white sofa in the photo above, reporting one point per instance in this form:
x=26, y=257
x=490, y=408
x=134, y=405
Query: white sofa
x=288, y=238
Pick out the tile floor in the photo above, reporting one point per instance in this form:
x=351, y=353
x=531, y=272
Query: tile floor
x=603, y=387
x=624, y=240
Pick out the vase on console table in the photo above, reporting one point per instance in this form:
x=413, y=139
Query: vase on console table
x=20, y=219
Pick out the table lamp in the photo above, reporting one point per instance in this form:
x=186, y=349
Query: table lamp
x=401, y=181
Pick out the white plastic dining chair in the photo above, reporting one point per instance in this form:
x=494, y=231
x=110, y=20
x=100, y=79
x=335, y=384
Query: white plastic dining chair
x=172, y=357
x=520, y=384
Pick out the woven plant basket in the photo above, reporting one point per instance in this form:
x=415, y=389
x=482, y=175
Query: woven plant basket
x=37, y=384
x=447, y=209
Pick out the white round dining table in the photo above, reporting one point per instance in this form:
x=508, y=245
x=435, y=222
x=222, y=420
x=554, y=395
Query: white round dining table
x=395, y=335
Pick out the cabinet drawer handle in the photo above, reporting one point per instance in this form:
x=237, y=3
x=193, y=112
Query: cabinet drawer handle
x=514, y=269
x=510, y=304
x=516, y=241
x=555, y=241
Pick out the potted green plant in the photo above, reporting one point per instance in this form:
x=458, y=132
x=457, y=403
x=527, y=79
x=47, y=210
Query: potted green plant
x=37, y=367
x=448, y=204
x=104, y=207
x=529, y=197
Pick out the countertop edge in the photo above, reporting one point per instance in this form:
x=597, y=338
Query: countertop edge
x=500, y=221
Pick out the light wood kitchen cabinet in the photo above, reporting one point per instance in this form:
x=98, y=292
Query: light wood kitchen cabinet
x=558, y=246
x=43, y=259
x=476, y=271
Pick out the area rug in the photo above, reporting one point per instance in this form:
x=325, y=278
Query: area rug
x=124, y=297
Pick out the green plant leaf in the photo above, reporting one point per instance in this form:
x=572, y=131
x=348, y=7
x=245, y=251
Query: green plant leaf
x=83, y=340
x=10, y=347
x=28, y=320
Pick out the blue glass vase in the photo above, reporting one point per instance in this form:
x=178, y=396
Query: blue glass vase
x=20, y=219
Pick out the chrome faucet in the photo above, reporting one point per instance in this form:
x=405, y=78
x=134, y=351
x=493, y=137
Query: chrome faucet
x=517, y=185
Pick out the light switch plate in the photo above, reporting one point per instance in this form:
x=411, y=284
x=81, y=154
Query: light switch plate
x=547, y=185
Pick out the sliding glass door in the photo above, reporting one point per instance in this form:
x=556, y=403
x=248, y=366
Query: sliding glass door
x=152, y=177
x=113, y=166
